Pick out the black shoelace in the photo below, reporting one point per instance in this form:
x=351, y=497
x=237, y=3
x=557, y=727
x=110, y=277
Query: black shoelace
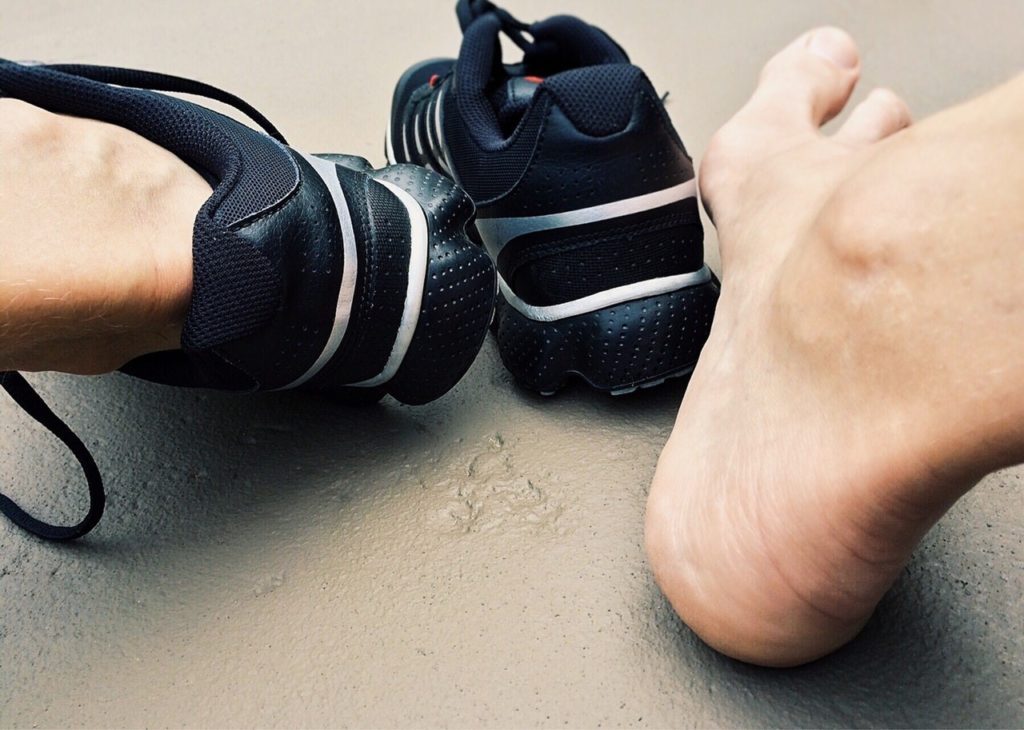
x=23, y=394
x=16, y=385
x=469, y=10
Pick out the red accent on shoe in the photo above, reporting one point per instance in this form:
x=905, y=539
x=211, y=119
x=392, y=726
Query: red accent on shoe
x=433, y=80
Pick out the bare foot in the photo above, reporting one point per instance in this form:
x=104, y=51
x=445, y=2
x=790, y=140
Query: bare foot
x=96, y=242
x=837, y=409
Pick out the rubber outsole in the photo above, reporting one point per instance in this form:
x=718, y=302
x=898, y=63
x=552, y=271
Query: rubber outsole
x=618, y=350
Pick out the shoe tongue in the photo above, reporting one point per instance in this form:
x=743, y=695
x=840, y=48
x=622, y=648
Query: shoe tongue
x=496, y=95
x=559, y=44
x=564, y=42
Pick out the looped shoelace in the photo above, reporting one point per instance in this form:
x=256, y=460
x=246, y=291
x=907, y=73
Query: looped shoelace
x=469, y=10
x=18, y=388
x=24, y=395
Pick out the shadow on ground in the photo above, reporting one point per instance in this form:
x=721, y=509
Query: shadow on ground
x=933, y=655
x=203, y=458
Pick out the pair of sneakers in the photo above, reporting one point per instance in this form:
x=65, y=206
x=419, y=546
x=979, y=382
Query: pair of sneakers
x=319, y=273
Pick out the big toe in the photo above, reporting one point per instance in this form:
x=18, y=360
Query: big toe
x=807, y=83
x=802, y=87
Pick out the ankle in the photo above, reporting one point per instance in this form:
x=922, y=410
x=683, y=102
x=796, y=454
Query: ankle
x=106, y=275
x=87, y=314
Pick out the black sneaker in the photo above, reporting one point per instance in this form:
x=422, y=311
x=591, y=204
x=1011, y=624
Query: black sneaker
x=585, y=195
x=310, y=272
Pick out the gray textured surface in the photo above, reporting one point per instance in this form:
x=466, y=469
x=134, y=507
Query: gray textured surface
x=279, y=561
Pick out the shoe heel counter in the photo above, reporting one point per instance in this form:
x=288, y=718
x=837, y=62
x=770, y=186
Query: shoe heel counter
x=608, y=200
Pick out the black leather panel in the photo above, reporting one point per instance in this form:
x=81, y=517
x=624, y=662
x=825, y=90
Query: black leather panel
x=381, y=226
x=559, y=265
x=306, y=250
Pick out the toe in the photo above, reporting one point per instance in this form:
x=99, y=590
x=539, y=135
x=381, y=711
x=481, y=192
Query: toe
x=883, y=113
x=801, y=88
x=808, y=82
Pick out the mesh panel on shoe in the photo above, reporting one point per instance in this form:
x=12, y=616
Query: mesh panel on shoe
x=597, y=99
x=491, y=133
x=265, y=176
x=479, y=61
x=511, y=101
x=213, y=144
x=508, y=108
x=156, y=81
x=234, y=288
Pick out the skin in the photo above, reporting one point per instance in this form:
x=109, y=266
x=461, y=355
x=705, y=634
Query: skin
x=862, y=372
x=86, y=292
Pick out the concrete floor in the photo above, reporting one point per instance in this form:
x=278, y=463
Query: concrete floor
x=277, y=561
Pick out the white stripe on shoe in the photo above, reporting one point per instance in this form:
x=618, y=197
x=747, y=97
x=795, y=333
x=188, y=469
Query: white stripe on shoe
x=496, y=232
x=405, y=142
x=414, y=292
x=443, y=157
x=328, y=171
x=419, y=145
x=606, y=298
x=389, y=145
